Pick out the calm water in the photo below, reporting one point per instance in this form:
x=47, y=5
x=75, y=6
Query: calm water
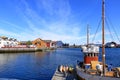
x=41, y=66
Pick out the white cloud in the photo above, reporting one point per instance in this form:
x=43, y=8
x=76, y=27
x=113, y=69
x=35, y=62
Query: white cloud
x=40, y=27
x=60, y=8
x=8, y=33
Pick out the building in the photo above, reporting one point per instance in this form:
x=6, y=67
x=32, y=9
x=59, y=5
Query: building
x=23, y=42
x=111, y=44
x=53, y=44
x=6, y=42
x=59, y=44
x=48, y=43
x=39, y=43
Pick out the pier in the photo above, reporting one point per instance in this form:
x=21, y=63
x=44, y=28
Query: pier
x=64, y=76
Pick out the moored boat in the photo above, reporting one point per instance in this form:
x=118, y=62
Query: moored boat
x=91, y=68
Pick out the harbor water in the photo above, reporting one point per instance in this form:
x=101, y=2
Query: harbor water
x=42, y=65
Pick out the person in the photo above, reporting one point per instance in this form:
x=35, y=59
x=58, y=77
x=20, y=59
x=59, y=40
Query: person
x=80, y=64
x=70, y=69
x=99, y=68
x=66, y=68
x=61, y=68
x=110, y=67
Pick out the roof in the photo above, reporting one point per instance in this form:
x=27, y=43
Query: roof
x=47, y=40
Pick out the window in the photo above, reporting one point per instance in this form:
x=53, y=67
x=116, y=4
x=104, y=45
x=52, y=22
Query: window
x=7, y=42
x=39, y=43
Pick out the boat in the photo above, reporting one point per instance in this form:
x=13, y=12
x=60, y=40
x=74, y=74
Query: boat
x=91, y=68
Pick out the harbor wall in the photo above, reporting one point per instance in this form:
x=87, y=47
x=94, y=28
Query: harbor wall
x=10, y=50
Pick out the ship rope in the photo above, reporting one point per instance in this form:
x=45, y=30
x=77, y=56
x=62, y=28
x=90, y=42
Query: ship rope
x=108, y=26
x=96, y=30
x=113, y=29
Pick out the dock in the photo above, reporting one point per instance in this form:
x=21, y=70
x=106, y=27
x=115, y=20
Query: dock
x=64, y=76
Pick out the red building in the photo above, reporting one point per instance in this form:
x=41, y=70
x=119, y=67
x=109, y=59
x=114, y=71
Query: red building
x=48, y=43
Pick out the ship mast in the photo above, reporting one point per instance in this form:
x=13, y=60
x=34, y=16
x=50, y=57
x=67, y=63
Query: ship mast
x=103, y=37
x=87, y=35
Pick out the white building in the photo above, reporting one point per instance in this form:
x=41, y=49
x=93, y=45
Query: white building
x=5, y=42
x=53, y=44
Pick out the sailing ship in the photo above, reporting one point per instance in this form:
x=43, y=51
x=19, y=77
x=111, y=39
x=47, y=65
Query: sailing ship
x=91, y=68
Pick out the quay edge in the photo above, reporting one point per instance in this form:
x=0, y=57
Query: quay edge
x=17, y=50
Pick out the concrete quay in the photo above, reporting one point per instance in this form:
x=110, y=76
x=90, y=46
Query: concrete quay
x=16, y=50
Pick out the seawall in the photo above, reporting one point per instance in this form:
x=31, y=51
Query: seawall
x=11, y=50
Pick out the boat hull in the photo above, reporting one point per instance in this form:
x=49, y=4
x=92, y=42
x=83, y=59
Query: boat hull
x=84, y=76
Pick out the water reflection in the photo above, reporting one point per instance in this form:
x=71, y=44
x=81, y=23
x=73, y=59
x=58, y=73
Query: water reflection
x=6, y=58
x=40, y=54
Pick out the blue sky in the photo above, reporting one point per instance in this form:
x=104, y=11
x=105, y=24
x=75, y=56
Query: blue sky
x=64, y=20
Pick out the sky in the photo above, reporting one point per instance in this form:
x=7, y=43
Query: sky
x=64, y=20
